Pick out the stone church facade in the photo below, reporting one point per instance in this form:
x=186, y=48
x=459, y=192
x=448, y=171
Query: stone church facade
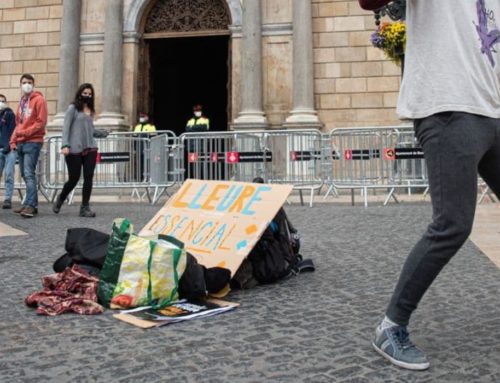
x=250, y=63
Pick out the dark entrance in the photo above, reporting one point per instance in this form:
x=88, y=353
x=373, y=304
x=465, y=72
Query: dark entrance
x=187, y=71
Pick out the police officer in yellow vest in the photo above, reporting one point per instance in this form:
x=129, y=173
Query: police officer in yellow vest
x=144, y=125
x=199, y=123
x=139, y=166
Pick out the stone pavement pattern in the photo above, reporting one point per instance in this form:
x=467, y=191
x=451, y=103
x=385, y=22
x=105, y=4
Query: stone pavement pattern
x=313, y=328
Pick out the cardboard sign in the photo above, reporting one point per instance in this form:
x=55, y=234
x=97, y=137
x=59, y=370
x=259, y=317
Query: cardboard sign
x=219, y=221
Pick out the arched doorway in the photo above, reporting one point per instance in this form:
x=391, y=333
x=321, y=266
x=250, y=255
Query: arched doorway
x=185, y=60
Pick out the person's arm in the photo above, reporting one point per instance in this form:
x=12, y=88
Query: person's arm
x=10, y=122
x=372, y=5
x=100, y=133
x=69, y=117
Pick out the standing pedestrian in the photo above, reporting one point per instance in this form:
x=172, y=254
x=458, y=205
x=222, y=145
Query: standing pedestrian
x=147, y=129
x=199, y=122
x=451, y=89
x=79, y=147
x=27, y=140
x=7, y=156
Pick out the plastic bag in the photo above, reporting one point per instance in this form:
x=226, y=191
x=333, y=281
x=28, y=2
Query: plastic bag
x=140, y=271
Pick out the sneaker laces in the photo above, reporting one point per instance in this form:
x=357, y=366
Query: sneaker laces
x=402, y=338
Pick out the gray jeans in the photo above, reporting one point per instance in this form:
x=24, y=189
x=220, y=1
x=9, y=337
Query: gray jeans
x=456, y=147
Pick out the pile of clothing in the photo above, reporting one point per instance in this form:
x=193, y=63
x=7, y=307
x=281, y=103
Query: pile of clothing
x=73, y=290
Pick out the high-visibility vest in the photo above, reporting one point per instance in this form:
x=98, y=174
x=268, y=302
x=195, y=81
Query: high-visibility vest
x=144, y=128
x=200, y=124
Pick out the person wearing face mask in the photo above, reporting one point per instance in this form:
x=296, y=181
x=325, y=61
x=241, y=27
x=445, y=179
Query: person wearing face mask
x=79, y=147
x=199, y=123
x=144, y=125
x=7, y=156
x=27, y=140
x=147, y=129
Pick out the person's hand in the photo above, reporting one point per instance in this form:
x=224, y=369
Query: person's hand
x=65, y=151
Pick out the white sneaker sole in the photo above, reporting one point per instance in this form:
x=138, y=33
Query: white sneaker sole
x=408, y=366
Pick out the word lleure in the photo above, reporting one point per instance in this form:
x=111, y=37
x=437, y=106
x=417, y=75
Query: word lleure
x=223, y=198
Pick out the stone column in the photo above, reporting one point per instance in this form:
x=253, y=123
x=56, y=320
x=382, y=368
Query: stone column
x=251, y=115
x=111, y=116
x=69, y=62
x=303, y=114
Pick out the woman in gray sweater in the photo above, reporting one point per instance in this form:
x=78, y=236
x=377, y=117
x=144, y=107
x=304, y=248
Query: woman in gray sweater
x=79, y=147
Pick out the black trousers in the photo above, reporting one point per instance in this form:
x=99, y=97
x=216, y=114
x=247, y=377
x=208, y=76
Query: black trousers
x=457, y=146
x=75, y=163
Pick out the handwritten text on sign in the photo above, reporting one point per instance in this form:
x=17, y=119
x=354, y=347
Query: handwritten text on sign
x=219, y=221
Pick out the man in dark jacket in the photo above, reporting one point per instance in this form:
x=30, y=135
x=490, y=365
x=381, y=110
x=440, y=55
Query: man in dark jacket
x=7, y=156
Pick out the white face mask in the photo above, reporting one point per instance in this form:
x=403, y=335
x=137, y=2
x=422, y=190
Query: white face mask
x=27, y=88
x=3, y=105
x=142, y=120
x=197, y=114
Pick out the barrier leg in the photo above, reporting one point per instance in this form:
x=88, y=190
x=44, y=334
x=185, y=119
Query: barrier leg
x=365, y=194
x=331, y=189
x=391, y=194
x=312, y=197
x=352, y=197
x=301, y=198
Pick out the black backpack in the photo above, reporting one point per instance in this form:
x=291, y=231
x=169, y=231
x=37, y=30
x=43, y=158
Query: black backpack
x=276, y=254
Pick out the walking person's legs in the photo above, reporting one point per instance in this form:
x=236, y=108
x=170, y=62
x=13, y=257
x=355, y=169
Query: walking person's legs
x=489, y=166
x=74, y=166
x=20, y=158
x=453, y=145
x=89, y=163
x=30, y=152
x=8, y=162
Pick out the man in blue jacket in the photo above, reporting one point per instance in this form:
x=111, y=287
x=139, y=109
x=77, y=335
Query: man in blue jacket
x=7, y=156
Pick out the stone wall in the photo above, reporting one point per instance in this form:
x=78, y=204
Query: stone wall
x=354, y=84
x=29, y=43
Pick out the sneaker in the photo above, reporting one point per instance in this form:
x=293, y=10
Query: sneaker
x=29, y=212
x=19, y=210
x=394, y=344
x=7, y=204
x=86, y=212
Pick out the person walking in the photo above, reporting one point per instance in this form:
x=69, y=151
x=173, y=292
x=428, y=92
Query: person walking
x=451, y=89
x=27, y=140
x=79, y=147
x=7, y=156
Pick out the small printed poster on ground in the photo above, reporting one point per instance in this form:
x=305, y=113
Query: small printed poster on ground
x=219, y=221
x=147, y=317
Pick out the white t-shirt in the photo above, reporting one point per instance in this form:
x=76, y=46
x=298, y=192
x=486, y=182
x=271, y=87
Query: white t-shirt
x=452, y=60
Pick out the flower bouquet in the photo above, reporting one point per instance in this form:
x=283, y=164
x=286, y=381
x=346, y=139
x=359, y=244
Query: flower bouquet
x=391, y=38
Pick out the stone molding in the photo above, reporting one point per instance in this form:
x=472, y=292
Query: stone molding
x=137, y=8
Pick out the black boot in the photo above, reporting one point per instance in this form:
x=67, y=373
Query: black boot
x=86, y=212
x=56, y=207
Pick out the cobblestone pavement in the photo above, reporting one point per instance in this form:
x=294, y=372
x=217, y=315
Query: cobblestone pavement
x=313, y=328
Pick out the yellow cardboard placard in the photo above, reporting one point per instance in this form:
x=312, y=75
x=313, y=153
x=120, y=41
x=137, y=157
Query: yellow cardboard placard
x=219, y=221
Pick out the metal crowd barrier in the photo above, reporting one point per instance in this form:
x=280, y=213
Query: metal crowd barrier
x=375, y=158
x=346, y=158
x=123, y=161
x=277, y=156
x=167, y=163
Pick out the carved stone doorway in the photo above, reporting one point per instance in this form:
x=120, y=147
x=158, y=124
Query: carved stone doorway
x=185, y=60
